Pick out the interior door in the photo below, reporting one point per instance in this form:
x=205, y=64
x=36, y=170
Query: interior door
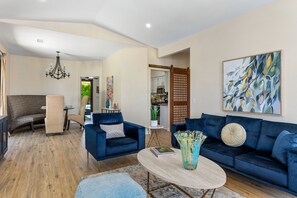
x=179, y=95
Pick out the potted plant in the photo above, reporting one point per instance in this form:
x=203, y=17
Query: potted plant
x=154, y=117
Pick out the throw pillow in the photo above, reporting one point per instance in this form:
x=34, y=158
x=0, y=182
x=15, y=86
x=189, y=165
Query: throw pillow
x=195, y=124
x=114, y=130
x=284, y=142
x=233, y=134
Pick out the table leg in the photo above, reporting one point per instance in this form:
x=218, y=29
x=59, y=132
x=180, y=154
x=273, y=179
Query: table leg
x=157, y=137
x=148, y=182
x=66, y=118
x=151, y=138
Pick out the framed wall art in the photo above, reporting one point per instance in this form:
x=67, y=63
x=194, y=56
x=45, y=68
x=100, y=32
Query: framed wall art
x=253, y=84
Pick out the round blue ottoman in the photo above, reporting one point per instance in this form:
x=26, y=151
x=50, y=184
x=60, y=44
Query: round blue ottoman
x=114, y=185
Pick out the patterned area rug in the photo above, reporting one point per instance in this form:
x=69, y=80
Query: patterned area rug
x=139, y=174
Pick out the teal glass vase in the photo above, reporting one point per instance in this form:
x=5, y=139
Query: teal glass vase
x=190, y=143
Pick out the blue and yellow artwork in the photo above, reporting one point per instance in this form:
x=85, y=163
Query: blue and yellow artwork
x=253, y=84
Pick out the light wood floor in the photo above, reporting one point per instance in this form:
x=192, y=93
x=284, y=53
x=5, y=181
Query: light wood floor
x=37, y=166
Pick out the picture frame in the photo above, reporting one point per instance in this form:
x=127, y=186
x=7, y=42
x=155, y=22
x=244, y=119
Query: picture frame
x=252, y=84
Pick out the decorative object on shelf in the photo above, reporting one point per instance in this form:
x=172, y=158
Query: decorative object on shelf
x=107, y=104
x=233, y=135
x=253, y=84
x=57, y=72
x=154, y=117
x=190, y=143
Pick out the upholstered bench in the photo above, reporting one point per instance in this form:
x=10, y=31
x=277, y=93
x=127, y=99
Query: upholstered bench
x=114, y=185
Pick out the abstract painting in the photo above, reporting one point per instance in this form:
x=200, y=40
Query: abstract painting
x=109, y=87
x=253, y=84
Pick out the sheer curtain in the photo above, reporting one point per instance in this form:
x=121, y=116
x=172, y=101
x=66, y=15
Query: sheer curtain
x=3, y=105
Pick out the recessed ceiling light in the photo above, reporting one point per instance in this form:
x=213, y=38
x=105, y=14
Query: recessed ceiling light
x=43, y=0
x=148, y=25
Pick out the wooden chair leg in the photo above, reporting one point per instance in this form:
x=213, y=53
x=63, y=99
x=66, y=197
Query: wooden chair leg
x=98, y=166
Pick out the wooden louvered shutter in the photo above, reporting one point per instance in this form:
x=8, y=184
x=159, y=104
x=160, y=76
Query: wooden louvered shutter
x=179, y=95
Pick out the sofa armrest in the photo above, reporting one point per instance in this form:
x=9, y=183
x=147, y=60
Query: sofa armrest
x=136, y=132
x=175, y=128
x=95, y=141
x=292, y=169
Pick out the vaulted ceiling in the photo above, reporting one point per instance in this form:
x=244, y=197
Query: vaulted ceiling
x=93, y=29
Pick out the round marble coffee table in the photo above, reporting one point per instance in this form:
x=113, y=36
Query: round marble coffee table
x=208, y=175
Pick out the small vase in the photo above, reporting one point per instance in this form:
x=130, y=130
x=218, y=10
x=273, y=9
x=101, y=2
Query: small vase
x=154, y=123
x=190, y=143
x=107, y=104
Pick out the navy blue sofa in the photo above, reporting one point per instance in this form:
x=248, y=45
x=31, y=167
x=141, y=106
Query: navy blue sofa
x=252, y=159
x=102, y=148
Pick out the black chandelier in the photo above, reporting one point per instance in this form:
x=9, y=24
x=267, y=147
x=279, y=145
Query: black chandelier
x=57, y=72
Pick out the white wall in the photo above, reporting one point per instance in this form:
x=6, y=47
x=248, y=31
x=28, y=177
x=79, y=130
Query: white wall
x=269, y=28
x=27, y=76
x=129, y=68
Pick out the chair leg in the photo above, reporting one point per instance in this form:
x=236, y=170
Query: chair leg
x=32, y=126
x=98, y=166
x=68, y=124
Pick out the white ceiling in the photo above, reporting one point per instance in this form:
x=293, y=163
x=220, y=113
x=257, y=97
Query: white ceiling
x=170, y=20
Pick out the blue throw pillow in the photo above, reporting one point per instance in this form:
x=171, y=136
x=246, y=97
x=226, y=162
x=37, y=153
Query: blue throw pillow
x=195, y=124
x=284, y=142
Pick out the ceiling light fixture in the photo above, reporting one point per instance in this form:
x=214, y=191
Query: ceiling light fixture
x=148, y=25
x=57, y=72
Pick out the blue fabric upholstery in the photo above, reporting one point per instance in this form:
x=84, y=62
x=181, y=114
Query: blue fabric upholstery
x=176, y=128
x=292, y=167
x=253, y=159
x=222, y=153
x=263, y=167
x=102, y=148
x=269, y=133
x=107, y=118
x=213, y=125
x=95, y=141
x=120, y=145
x=252, y=127
x=195, y=124
x=136, y=132
x=114, y=185
x=285, y=141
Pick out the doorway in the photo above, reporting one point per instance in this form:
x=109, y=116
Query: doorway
x=90, y=87
x=159, y=94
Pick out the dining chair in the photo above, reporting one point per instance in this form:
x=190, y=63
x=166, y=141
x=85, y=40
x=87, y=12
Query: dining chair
x=54, y=116
x=80, y=118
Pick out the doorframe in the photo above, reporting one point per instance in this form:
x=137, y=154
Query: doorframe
x=158, y=68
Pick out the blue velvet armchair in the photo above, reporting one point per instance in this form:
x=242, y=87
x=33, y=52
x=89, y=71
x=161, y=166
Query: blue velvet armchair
x=101, y=148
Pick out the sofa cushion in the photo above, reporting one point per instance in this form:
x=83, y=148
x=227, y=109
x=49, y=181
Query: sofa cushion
x=252, y=127
x=195, y=124
x=113, y=130
x=262, y=166
x=284, y=142
x=213, y=125
x=269, y=133
x=120, y=145
x=233, y=134
x=222, y=153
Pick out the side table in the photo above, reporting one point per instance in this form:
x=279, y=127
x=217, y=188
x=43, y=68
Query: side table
x=154, y=134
